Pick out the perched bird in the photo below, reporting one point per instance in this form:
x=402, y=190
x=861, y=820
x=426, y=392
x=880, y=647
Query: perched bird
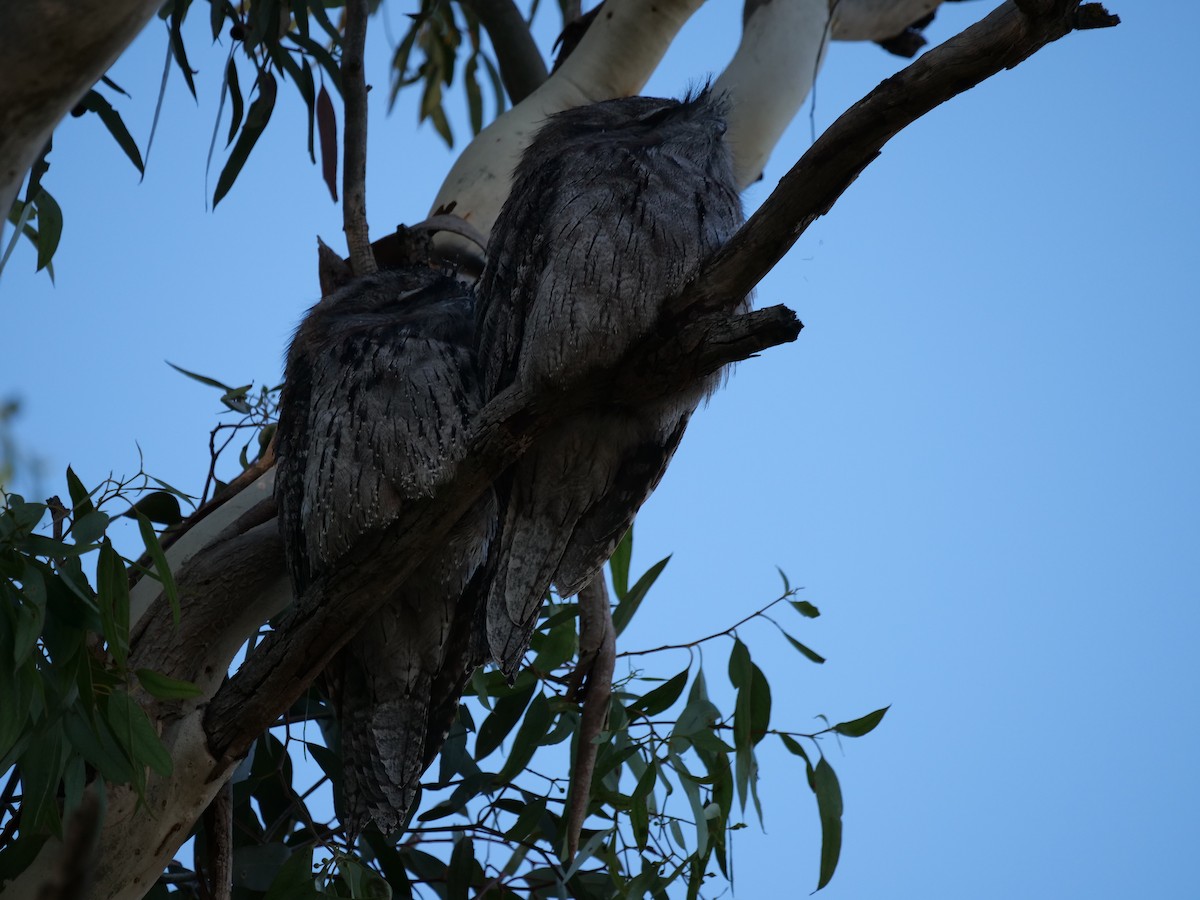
x=613, y=207
x=380, y=388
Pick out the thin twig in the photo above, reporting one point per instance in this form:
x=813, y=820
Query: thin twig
x=354, y=141
x=728, y=632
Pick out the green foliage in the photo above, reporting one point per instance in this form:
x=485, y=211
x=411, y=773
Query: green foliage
x=271, y=42
x=675, y=768
x=38, y=217
x=70, y=714
x=677, y=764
x=437, y=32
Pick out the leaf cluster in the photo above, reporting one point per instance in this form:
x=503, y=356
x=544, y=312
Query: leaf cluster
x=677, y=764
x=74, y=709
x=273, y=42
x=676, y=768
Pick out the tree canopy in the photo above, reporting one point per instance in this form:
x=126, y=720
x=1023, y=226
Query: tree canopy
x=229, y=196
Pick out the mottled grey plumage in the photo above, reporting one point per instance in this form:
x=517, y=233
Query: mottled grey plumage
x=379, y=391
x=613, y=207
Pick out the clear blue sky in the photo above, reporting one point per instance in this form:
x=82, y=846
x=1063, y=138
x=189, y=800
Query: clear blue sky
x=980, y=457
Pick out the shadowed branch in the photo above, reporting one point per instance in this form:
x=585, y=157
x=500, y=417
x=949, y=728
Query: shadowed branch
x=522, y=68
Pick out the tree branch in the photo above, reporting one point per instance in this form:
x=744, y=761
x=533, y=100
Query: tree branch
x=354, y=140
x=225, y=584
x=304, y=642
x=216, y=867
x=876, y=20
x=771, y=73
x=617, y=55
x=597, y=659
x=522, y=68
x=334, y=607
x=53, y=53
x=1000, y=41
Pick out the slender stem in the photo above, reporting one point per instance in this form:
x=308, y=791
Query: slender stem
x=726, y=633
x=354, y=140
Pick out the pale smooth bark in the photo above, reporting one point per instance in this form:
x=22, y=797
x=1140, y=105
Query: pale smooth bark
x=773, y=70
x=616, y=57
x=199, y=537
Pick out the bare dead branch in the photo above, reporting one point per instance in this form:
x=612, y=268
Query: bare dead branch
x=1000, y=41
x=354, y=139
x=597, y=659
x=522, y=68
x=672, y=357
x=669, y=359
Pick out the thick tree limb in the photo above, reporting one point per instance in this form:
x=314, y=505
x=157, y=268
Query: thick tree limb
x=354, y=171
x=218, y=522
x=522, y=68
x=53, y=52
x=618, y=54
x=308, y=636
x=226, y=593
x=593, y=679
x=876, y=20
x=769, y=76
